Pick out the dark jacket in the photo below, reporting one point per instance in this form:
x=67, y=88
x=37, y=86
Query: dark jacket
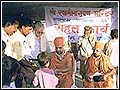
x=10, y=67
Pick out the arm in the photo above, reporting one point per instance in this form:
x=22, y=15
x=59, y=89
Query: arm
x=92, y=39
x=107, y=50
x=82, y=54
x=28, y=64
x=25, y=62
x=111, y=72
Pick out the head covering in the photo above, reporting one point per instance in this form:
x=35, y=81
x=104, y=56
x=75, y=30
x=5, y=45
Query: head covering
x=59, y=41
x=99, y=45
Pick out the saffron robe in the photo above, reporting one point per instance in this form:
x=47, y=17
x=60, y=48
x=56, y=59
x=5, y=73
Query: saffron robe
x=103, y=67
x=65, y=79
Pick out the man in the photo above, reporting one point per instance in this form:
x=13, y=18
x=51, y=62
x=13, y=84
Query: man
x=86, y=44
x=20, y=47
x=19, y=43
x=8, y=29
x=62, y=63
x=98, y=63
x=37, y=41
x=111, y=49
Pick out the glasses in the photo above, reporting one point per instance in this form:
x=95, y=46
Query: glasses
x=41, y=32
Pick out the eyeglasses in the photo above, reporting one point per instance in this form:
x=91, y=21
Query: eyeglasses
x=41, y=32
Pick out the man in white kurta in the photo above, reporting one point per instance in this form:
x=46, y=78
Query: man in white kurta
x=86, y=44
x=37, y=43
x=5, y=38
x=35, y=46
x=18, y=43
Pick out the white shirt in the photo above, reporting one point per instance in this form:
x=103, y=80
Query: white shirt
x=21, y=39
x=86, y=46
x=114, y=57
x=34, y=44
x=6, y=39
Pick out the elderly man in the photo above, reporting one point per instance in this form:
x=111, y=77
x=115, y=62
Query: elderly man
x=86, y=43
x=98, y=64
x=37, y=41
x=62, y=63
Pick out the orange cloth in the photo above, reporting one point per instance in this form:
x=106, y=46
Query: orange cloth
x=92, y=68
x=99, y=45
x=66, y=79
x=59, y=41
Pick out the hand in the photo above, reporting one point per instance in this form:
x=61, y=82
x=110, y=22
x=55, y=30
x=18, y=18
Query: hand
x=13, y=78
x=35, y=68
x=88, y=78
x=86, y=55
x=58, y=72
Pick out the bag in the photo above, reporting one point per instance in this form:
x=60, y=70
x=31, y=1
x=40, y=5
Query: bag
x=98, y=78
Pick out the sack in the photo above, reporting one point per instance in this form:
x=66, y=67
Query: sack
x=98, y=78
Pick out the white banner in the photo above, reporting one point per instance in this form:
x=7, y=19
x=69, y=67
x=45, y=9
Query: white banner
x=61, y=21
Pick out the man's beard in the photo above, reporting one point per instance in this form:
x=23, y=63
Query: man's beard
x=59, y=52
x=95, y=55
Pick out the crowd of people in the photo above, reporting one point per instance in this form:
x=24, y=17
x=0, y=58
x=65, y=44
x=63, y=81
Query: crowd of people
x=29, y=62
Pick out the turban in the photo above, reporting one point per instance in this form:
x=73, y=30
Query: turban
x=59, y=41
x=99, y=45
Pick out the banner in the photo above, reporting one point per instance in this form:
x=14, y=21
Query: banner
x=61, y=21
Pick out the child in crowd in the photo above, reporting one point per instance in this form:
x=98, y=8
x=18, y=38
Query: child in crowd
x=45, y=77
